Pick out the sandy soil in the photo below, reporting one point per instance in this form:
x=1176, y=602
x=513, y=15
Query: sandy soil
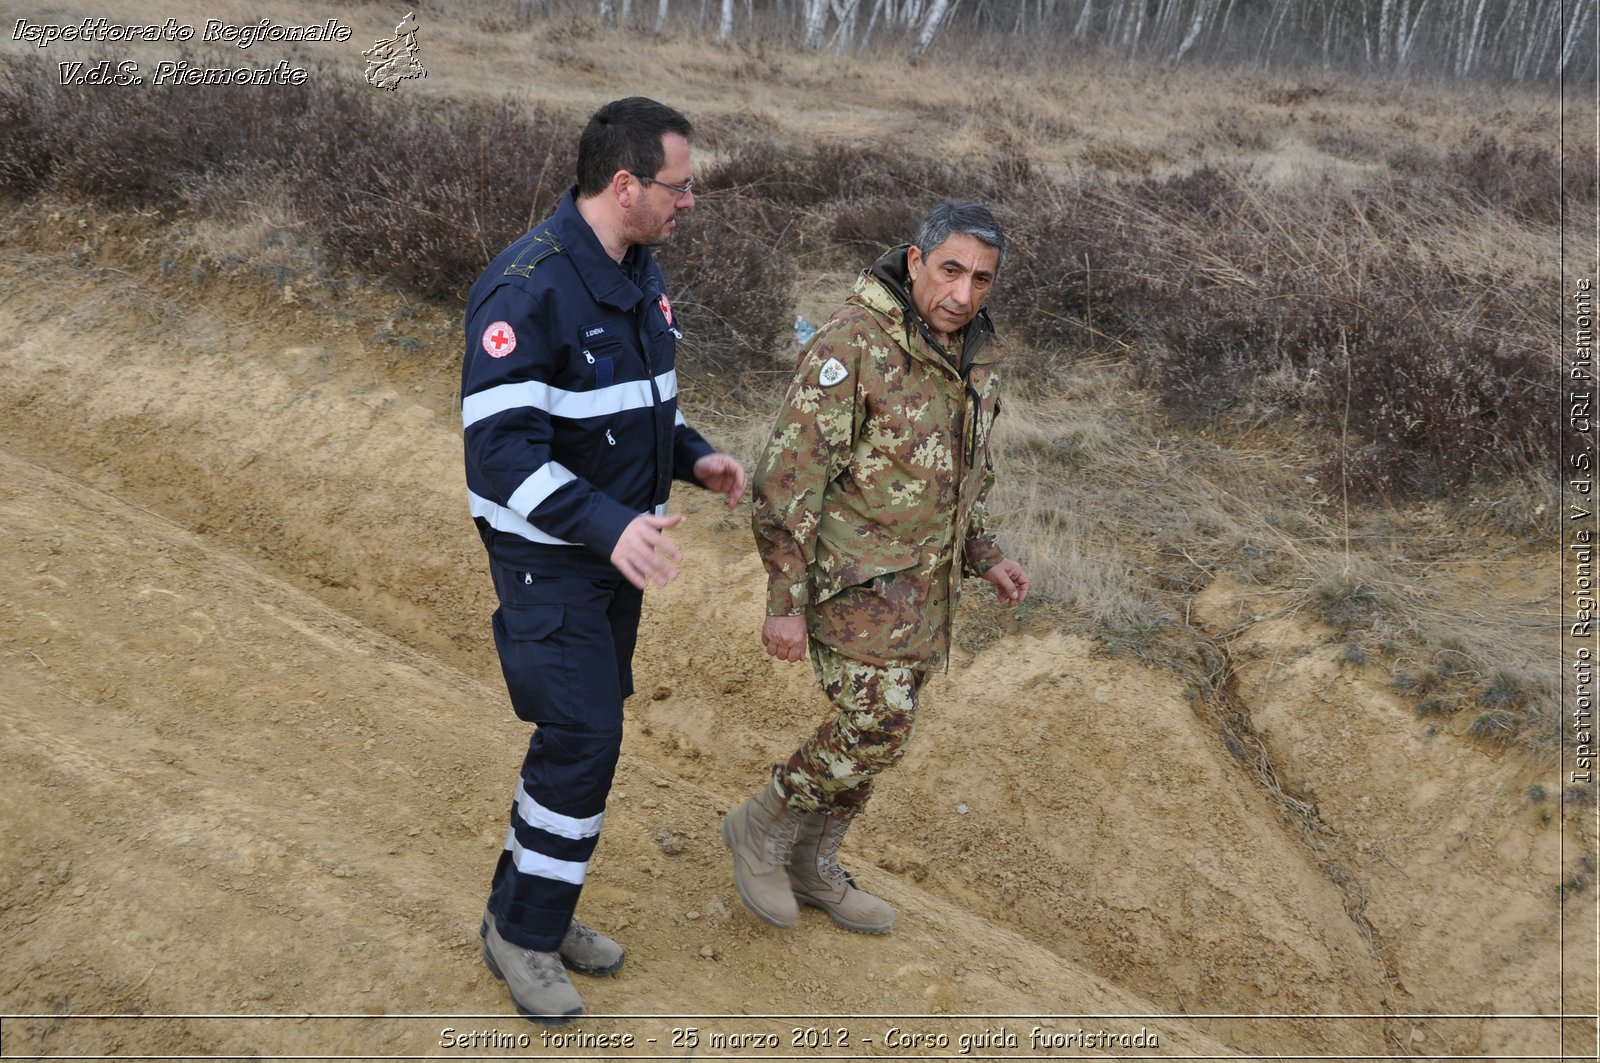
x=257, y=755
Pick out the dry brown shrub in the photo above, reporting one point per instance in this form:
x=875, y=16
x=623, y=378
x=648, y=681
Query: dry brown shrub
x=1221, y=291
x=25, y=157
x=735, y=291
x=428, y=199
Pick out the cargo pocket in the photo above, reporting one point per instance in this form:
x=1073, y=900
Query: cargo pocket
x=881, y=618
x=533, y=658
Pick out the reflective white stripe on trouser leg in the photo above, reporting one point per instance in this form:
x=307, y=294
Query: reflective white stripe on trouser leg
x=531, y=862
x=539, y=865
x=534, y=814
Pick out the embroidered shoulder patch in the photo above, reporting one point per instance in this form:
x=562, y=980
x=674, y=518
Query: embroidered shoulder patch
x=833, y=371
x=499, y=340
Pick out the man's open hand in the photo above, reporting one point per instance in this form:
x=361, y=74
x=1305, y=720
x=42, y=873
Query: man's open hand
x=644, y=555
x=722, y=473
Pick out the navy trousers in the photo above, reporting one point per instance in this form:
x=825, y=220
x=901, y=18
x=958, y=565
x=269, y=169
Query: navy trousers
x=565, y=633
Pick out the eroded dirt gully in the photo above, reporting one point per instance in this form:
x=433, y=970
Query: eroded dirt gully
x=257, y=752
x=1446, y=865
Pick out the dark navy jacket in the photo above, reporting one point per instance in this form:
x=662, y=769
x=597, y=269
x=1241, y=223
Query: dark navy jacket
x=569, y=393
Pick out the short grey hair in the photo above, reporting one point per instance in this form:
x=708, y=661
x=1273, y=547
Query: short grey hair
x=954, y=216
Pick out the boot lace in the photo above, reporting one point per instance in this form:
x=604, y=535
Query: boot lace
x=780, y=839
x=545, y=967
x=833, y=833
x=579, y=934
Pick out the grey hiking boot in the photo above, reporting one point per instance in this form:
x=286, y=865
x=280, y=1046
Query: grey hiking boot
x=589, y=952
x=582, y=949
x=818, y=880
x=537, y=980
x=761, y=833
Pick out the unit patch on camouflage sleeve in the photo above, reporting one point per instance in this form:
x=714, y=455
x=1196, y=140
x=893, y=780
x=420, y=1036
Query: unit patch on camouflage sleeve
x=833, y=371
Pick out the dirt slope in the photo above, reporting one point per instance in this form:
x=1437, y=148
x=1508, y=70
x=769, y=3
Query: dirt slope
x=224, y=796
x=257, y=756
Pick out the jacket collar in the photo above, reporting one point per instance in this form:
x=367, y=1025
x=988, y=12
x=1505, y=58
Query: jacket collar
x=885, y=289
x=616, y=284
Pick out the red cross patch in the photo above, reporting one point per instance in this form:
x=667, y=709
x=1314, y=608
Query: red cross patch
x=499, y=340
x=666, y=308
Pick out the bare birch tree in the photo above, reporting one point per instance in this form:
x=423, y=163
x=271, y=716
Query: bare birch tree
x=1581, y=14
x=931, y=27
x=1203, y=10
x=1521, y=40
x=816, y=22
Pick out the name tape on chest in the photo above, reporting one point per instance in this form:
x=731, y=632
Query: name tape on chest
x=833, y=371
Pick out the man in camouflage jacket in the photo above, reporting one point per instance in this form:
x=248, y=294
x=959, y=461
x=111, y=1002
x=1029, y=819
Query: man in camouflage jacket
x=868, y=512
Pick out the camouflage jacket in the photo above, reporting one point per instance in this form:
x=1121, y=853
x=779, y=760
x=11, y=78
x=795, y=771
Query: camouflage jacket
x=868, y=501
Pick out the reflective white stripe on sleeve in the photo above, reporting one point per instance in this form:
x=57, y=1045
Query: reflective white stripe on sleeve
x=552, y=475
x=530, y=394
x=503, y=519
x=534, y=814
x=475, y=408
x=531, y=863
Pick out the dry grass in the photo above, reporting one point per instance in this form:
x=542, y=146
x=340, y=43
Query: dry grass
x=1161, y=216
x=1121, y=523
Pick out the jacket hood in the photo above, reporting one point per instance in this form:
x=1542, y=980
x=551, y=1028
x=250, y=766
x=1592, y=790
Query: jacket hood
x=884, y=289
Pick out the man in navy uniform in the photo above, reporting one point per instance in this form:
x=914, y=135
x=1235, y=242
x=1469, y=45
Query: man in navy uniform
x=573, y=437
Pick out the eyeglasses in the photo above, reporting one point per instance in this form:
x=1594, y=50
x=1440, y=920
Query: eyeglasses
x=680, y=190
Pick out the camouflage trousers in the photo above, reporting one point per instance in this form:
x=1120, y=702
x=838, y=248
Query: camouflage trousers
x=876, y=712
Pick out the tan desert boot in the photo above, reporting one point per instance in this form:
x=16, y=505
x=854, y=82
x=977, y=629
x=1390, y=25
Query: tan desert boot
x=818, y=880
x=761, y=833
